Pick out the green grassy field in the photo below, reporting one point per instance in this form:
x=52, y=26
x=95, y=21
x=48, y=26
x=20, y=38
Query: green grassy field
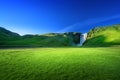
x=60, y=64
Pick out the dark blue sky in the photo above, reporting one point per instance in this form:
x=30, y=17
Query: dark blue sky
x=44, y=16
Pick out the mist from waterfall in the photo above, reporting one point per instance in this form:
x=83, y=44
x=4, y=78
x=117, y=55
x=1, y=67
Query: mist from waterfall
x=82, y=39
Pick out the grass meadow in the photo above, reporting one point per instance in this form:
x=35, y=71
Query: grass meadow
x=101, y=63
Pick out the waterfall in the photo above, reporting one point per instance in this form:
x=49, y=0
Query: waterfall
x=82, y=39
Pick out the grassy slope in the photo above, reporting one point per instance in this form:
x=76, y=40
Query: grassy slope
x=35, y=40
x=8, y=38
x=6, y=35
x=104, y=36
x=60, y=64
x=11, y=39
x=42, y=40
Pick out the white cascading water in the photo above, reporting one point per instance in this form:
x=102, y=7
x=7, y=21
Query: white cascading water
x=82, y=39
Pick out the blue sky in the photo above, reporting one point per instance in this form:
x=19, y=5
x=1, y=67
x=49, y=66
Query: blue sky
x=45, y=16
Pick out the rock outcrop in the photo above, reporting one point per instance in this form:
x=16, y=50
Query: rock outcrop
x=75, y=36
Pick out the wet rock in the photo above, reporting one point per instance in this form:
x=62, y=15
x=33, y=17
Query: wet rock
x=75, y=36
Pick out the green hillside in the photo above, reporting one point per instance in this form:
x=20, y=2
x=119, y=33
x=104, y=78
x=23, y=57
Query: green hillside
x=104, y=36
x=42, y=40
x=11, y=39
x=6, y=35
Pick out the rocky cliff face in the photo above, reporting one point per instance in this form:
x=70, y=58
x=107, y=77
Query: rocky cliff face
x=75, y=36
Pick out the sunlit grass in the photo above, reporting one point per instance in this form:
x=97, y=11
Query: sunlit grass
x=60, y=64
x=111, y=35
x=105, y=36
